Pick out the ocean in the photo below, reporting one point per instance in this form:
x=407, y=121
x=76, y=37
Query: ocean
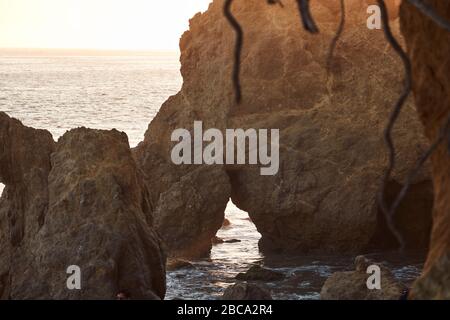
x=58, y=91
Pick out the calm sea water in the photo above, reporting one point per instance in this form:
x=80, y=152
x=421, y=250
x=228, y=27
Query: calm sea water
x=59, y=93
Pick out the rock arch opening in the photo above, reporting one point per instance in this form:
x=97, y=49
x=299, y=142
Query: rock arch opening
x=2, y=187
x=238, y=238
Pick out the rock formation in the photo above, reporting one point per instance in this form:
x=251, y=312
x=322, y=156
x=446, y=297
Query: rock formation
x=246, y=291
x=429, y=50
x=352, y=285
x=257, y=273
x=24, y=169
x=177, y=264
x=79, y=202
x=332, y=154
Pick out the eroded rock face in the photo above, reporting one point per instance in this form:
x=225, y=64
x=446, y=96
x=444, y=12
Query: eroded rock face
x=191, y=211
x=332, y=154
x=24, y=168
x=429, y=50
x=352, y=285
x=96, y=215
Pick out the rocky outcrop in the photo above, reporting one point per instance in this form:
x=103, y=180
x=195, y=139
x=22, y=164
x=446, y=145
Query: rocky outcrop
x=352, y=285
x=191, y=211
x=257, y=273
x=246, y=291
x=332, y=154
x=177, y=264
x=84, y=203
x=24, y=169
x=429, y=50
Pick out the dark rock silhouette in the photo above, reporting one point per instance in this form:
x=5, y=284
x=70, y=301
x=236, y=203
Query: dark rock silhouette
x=429, y=49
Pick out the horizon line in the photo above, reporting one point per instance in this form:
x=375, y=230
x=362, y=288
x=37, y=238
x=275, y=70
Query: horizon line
x=88, y=50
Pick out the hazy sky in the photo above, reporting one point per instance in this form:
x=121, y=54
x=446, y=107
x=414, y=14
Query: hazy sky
x=96, y=24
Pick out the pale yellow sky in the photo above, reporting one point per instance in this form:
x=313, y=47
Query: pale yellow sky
x=96, y=24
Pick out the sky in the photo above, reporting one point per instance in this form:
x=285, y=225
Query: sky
x=96, y=24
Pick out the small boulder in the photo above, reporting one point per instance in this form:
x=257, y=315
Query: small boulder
x=352, y=285
x=176, y=264
x=257, y=273
x=246, y=291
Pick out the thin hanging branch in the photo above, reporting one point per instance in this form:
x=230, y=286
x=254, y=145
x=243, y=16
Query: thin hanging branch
x=337, y=36
x=276, y=2
x=407, y=88
x=443, y=135
x=237, y=50
x=305, y=12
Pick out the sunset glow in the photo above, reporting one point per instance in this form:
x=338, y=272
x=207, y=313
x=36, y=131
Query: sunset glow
x=96, y=24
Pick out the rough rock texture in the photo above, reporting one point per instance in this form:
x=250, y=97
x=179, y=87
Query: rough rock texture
x=177, y=264
x=352, y=285
x=257, y=273
x=246, y=291
x=436, y=281
x=191, y=211
x=94, y=212
x=332, y=152
x=24, y=168
x=429, y=50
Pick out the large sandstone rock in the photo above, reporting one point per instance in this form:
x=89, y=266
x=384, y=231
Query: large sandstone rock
x=352, y=285
x=429, y=50
x=96, y=215
x=332, y=152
